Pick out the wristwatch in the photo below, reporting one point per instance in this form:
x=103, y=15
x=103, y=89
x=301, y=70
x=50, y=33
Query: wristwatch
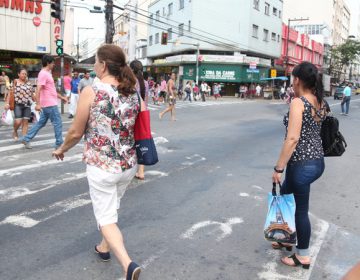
x=278, y=170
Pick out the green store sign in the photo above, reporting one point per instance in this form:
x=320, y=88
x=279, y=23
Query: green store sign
x=224, y=73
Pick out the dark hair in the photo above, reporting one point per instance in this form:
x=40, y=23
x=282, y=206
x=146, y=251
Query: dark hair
x=137, y=68
x=46, y=60
x=115, y=61
x=146, y=76
x=22, y=69
x=308, y=74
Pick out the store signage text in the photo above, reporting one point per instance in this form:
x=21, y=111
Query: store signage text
x=29, y=6
x=219, y=75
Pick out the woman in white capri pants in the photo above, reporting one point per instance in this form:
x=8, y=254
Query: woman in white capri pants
x=106, y=114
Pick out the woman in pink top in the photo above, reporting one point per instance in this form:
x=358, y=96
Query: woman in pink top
x=106, y=114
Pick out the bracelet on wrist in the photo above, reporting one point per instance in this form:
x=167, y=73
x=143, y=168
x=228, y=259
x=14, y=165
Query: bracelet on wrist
x=278, y=170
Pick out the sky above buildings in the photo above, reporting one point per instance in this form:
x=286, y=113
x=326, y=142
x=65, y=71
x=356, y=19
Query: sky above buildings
x=83, y=18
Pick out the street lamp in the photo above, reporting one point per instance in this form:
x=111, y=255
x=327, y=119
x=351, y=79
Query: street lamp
x=197, y=45
x=78, y=40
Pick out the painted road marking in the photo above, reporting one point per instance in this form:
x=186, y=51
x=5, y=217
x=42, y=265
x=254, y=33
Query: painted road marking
x=18, y=170
x=33, y=144
x=37, y=137
x=160, y=140
x=16, y=192
x=193, y=159
x=225, y=228
x=270, y=269
x=25, y=220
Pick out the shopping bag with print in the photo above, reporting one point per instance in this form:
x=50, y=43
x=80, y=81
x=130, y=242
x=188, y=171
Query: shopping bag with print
x=280, y=220
x=7, y=118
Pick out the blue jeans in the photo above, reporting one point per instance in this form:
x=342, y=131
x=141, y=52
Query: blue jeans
x=53, y=114
x=188, y=95
x=345, y=101
x=299, y=176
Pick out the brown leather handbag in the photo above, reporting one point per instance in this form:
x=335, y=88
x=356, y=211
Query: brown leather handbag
x=12, y=97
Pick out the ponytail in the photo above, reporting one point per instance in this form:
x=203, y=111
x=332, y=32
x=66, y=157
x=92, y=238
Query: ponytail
x=127, y=81
x=137, y=68
x=319, y=89
x=141, y=82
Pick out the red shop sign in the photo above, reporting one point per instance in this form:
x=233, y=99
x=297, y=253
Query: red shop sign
x=36, y=21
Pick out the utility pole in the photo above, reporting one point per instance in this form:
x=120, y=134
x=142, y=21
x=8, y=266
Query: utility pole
x=109, y=18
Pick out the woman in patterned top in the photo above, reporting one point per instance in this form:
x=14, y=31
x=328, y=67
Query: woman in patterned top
x=106, y=114
x=23, y=95
x=302, y=155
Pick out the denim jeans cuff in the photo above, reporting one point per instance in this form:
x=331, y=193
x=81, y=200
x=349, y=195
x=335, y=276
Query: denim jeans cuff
x=302, y=252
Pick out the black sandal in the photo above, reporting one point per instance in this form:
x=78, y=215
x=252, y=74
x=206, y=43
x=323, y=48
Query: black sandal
x=279, y=246
x=104, y=256
x=296, y=262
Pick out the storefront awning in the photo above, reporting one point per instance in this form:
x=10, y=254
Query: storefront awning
x=281, y=78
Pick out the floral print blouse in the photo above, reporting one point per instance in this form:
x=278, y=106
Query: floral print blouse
x=109, y=135
x=23, y=94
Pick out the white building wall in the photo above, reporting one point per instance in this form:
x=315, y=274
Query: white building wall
x=229, y=21
x=18, y=32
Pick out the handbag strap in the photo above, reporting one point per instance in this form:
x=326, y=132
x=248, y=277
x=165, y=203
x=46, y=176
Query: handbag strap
x=274, y=189
x=139, y=98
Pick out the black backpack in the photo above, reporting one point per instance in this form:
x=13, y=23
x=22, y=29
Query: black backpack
x=333, y=141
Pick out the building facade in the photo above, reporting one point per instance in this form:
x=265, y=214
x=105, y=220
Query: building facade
x=247, y=32
x=334, y=14
x=298, y=48
x=27, y=32
x=131, y=29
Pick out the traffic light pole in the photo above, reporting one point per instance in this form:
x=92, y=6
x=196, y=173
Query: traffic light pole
x=62, y=22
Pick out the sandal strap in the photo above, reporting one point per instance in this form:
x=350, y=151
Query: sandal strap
x=295, y=259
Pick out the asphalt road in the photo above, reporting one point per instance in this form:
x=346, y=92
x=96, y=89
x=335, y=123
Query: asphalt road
x=198, y=215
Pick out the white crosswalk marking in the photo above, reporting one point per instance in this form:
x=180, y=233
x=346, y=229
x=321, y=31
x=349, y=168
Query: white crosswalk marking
x=187, y=104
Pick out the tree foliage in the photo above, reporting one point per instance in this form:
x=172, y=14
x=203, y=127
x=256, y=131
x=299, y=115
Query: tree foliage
x=343, y=56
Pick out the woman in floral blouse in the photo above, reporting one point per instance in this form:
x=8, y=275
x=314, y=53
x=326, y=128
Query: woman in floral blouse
x=106, y=115
x=23, y=95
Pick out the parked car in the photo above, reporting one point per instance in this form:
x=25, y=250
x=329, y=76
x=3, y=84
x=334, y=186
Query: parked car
x=338, y=93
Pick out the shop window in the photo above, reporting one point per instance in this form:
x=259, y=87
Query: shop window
x=157, y=15
x=266, y=35
x=267, y=9
x=255, y=30
x=273, y=36
x=150, y=40
x=170, y=9
x=181, y=29
x=274, y=11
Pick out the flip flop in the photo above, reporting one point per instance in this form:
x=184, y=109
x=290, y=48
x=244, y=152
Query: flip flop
x=296, y=262
x=139, y=178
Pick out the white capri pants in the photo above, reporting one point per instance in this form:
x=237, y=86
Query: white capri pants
x=74, y=98
x=106, y=190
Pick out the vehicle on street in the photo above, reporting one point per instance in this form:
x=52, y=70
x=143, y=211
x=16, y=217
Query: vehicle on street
x=338, y=93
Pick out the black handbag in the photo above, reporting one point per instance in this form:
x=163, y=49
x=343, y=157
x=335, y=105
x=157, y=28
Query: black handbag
x=333, y=141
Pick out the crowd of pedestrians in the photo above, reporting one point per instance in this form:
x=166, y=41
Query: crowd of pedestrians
x=106, y=109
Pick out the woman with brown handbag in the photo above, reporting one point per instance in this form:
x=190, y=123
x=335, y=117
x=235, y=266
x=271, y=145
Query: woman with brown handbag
x=19, y=99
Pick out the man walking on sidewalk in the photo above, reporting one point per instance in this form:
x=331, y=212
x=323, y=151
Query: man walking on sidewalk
x=74, y=96
x=346, y=100
x=47, y=103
